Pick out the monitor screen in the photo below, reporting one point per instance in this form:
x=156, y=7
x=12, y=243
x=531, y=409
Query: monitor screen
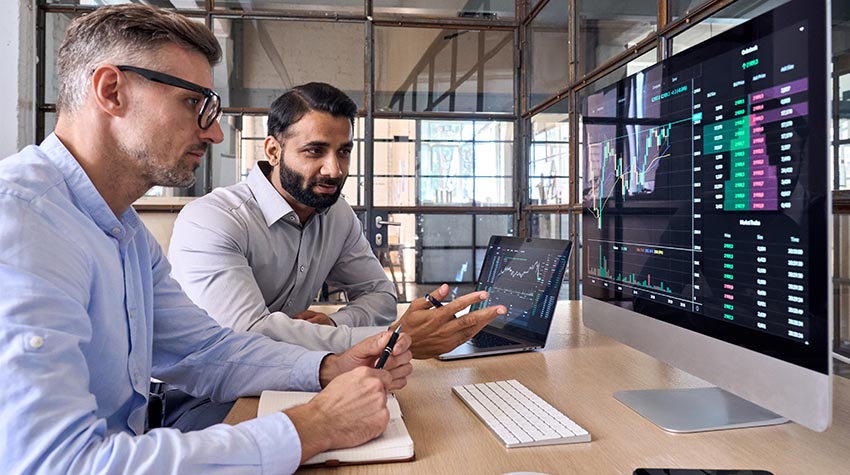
x=706, y=195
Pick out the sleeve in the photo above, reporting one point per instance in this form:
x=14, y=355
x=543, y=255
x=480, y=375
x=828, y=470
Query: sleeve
x=208, y=254
x=197, y=355
x=358, y=272
x=49, y=416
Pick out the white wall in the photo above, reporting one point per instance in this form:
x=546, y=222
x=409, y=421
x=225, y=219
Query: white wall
x=17, y=56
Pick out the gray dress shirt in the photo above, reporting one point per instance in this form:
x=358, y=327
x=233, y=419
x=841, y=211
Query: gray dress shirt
x=242, y=254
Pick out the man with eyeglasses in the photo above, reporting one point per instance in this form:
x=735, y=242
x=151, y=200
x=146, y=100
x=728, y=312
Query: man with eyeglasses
x=88, y=312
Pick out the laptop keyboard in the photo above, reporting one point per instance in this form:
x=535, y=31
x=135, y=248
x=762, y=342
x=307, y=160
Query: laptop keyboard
x=519, y=417
x=488, y=340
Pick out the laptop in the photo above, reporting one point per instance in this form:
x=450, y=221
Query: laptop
x=524, y=275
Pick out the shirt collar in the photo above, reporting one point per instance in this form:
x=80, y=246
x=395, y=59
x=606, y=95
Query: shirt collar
x=273, y=206
x=88, y=198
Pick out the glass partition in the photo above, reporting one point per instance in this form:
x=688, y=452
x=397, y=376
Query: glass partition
x=549, y=52
x=453, y=9
x=549, y=166
x=680, y=8
x=264, y=58
x=242, y=147
x=351, y=7
x=443, y=70
x=443, y=163
x=395, y=162
x=466, y=163
x=735, y=14
x=177, y=4
x=607, y=28
x=841, y=283
x=453, y=246
x=54, y=33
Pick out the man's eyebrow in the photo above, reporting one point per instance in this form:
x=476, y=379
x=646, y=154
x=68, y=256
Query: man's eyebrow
x=316, y=143
x=320, y=143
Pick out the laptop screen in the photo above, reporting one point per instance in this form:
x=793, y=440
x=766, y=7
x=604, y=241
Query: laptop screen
x=525, y=276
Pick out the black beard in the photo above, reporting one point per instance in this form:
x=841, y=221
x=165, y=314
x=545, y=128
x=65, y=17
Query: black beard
x=297, y=186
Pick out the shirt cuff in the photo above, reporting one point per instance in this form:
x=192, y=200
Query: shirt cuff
x=341, y=318
x=277, y=441
x=305, y=374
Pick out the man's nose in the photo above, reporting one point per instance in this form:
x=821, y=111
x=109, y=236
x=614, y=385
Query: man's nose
x=213, y=134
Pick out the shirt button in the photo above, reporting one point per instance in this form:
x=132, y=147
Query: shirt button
x=292, y=218
x=289, y=303
x=132, y=314
x=36, y=342
x=116, y=231
x=302, y=268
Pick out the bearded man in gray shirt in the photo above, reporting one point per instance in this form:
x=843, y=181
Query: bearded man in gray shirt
x=255, y=254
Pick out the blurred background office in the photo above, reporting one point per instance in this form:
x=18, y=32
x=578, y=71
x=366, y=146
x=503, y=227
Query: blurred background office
x=467, y=110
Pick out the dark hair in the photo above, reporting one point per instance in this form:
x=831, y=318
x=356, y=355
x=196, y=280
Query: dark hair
x=298, y=101
x=129, y=34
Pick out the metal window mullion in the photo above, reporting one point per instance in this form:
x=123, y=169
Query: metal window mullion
x=40, y=83
x=521, y=125
x=573, y=147
x=369, y=122
x=208, y=159
x=368, y=158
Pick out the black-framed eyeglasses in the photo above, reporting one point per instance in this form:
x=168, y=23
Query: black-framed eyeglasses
x=211, y=108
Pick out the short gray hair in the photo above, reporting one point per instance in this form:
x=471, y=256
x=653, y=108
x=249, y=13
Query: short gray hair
x=128, y=34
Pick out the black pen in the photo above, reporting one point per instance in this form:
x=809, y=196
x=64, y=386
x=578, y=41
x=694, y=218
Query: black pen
x=436, y=303
x=389, y=348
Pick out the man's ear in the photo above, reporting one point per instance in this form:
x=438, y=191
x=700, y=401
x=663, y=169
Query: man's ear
x=108, y=88
x=273, y=150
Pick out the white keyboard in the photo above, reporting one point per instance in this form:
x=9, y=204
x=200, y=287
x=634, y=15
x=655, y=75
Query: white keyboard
x=519, y=417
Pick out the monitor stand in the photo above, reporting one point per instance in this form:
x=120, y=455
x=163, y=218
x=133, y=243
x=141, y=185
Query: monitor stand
x=696, y=409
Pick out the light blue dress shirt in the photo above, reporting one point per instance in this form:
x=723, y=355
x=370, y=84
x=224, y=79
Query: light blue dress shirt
x=88, y=313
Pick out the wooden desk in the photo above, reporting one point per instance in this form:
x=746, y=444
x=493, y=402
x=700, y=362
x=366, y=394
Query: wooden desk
x=578, y=372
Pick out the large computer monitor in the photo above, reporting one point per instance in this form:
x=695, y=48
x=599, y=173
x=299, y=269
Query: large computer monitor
x=706, y=233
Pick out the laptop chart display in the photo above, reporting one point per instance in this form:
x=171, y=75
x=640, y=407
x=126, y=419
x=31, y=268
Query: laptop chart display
x=525, y=276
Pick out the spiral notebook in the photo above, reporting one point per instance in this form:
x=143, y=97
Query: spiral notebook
x=394, y=445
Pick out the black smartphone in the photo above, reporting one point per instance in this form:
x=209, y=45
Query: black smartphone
x=697, y=471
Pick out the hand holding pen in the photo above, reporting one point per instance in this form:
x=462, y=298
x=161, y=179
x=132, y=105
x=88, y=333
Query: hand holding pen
x=388, y=350
x=365, y=353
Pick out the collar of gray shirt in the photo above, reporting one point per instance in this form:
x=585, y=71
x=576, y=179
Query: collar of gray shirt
x=271, y=203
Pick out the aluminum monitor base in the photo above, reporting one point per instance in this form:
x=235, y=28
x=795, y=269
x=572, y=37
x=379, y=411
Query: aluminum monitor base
x=696, y=409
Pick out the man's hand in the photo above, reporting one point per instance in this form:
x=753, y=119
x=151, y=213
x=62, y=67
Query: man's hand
x=435, y=330
x=366, y=353
x=350, y=411
x=318, y=318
